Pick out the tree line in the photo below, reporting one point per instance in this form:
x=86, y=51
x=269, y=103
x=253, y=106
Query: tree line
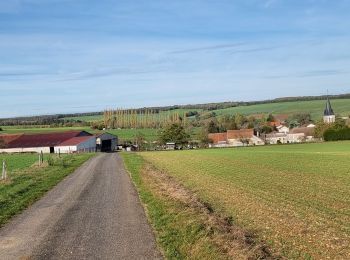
x=146, y=118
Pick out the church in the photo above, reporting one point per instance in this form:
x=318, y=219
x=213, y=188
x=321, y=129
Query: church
x=328, y=115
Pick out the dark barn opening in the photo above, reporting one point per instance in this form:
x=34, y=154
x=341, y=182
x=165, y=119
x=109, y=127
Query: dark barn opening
x=106, y=146
x=52, y=149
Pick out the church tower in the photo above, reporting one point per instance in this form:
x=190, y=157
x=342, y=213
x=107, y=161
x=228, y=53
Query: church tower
x=328, y=115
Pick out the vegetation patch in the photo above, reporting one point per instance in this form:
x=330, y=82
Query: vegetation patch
x=26, y=183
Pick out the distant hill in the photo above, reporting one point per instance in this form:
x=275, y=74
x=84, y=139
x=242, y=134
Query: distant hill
x=341, y=107
x=286, y=105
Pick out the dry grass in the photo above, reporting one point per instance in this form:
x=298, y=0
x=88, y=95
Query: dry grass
x=233, y=241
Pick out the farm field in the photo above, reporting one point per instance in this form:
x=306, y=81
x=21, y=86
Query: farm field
x=294, y=198
x=38, y=129
x=28, y=182
x=314, y=107
x=84, y=118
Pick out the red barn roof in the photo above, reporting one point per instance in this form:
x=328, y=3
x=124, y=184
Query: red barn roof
x=44, y=140
x=242, y=133
x=218, y=137
x=9, y=137
x=76, y=140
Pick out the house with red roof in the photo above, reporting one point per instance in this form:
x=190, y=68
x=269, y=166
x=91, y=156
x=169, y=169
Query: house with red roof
x=233, y=138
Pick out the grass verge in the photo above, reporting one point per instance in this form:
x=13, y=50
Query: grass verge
x=27, y=185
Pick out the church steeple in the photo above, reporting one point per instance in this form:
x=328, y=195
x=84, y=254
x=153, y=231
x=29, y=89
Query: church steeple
x=328, y=114
x=328, y=110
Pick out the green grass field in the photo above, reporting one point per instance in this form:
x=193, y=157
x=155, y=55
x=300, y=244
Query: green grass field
x=314, y=107
x=295, y=198
x=18, y=161
x=84, y=118
x=39, y=129
x=27, y=182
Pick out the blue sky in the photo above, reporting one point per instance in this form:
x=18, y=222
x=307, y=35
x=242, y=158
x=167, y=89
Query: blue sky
x=60, y=56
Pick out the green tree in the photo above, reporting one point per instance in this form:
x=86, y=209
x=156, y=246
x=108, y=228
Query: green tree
x=270, y=118
x=213, y=127
x=139, y=140
x=320, y=128
x=204, y=138
x=339, y=124
x=239, y=120
x=175, y=133
x=266, y=129
x=300, y=118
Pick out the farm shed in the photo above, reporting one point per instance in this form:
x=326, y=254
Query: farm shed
x=106, y=142
x=45, y=143
x=77, y=144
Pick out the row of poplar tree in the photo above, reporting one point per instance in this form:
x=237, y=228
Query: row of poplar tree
x=132, y=118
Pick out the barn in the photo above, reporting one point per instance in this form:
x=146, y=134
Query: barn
x=64, y=142
x=106, y=142
x=77, y=144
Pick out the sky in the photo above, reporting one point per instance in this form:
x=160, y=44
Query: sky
x=65, y=56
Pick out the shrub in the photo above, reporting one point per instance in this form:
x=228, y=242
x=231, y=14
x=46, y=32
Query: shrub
x=333, y=134
x=50, y=161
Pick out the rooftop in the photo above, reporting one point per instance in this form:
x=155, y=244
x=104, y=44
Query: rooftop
x=328, y=110
x=44, y=140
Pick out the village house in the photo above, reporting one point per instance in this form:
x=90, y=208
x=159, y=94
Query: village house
x=282, y=129
x=276, y=138
x=235, y=138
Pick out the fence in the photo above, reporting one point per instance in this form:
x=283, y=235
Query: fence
x=4, y=171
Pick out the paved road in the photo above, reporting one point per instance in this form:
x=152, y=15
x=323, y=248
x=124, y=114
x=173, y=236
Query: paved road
x=94, y=213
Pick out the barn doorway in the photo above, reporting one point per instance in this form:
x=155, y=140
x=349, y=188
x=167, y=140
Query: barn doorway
x=52, y=149
x=106, y=146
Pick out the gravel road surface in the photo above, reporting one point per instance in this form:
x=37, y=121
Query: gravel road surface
x=94, y=213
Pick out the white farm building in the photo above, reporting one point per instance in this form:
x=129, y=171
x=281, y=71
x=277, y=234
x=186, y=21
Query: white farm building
x=64, y=142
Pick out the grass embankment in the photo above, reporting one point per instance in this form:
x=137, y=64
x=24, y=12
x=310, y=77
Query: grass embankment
x=296, y=198
x=27, y=182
